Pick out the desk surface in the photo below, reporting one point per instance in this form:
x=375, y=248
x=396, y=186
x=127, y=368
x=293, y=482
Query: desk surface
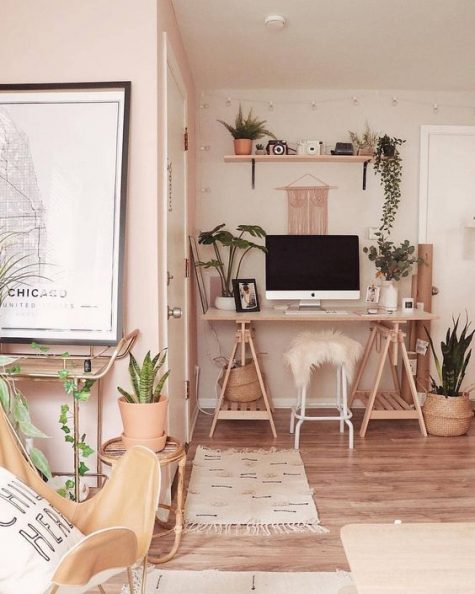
x=411, y=558
x=356, y=314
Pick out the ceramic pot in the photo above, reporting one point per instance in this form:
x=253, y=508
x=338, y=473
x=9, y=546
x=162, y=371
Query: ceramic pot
x=447, y=416
x=388, y=296
x=225, y=303
x=242, y=146
x=144, y=424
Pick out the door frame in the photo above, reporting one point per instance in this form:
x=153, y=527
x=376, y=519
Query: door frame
x=426, y=133
x=168, y=60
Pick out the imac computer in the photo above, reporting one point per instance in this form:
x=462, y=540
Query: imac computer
x=309, y=268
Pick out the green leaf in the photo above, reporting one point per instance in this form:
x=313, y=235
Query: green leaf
x=40, y=462
x=20, y=411
x=69, y=438
x=65, y=429
x=39, y=347
x=82, y=469
x=4, y=395
x=63, y=417
x=29, y=430
x=85, y=450
x=63, y=374
x=69, y=484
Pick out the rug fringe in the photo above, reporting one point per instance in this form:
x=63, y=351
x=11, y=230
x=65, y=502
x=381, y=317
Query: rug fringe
x=271, y=450
x=254, y=529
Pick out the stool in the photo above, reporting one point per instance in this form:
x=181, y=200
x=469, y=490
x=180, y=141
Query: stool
x=310, y=350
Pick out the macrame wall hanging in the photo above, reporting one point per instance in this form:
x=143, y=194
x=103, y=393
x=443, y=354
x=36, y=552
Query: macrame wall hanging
x=307, y=207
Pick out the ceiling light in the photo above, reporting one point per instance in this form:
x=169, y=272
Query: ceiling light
x=275, y=22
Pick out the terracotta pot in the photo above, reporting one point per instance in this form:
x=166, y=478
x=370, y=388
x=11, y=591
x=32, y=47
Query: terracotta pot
x=447, y=416
x=144, y=424
x=242, y=146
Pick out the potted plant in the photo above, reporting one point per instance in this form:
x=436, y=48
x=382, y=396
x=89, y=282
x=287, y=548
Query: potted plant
x=366, y=143
x=260, y=150
x=144, y=409
x=228, y=268
x=447, y=408
x=245, y=130
x=392, y=263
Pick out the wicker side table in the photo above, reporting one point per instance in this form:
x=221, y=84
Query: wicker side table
x=174, y=451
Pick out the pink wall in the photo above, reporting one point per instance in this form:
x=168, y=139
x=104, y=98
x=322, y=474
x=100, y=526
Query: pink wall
x=102, y=40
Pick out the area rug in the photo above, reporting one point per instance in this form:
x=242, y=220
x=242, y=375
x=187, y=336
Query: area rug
x=241, y=582
x=250, y=492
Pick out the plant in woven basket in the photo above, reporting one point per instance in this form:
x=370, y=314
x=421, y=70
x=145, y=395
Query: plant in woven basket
x=447, y=409
x=146, y=382
x=455, y=358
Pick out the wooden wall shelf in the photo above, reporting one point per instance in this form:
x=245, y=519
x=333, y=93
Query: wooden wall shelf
x=253, y=159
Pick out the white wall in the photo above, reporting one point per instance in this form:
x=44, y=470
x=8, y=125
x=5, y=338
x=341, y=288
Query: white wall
x=231, y=200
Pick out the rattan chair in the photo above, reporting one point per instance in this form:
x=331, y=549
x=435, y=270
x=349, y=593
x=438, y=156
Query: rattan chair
x=117, y=522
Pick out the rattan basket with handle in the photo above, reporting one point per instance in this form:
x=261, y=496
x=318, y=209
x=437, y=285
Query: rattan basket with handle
x=447, y=416
x=243, y=384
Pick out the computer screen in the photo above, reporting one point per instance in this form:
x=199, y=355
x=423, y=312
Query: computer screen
x=312, y=267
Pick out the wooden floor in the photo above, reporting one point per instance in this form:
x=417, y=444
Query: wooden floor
x=393, y=473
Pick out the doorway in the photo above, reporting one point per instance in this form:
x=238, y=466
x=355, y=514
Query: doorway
x=447, y=220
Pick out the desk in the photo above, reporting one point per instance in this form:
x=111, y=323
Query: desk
x=379, y=404
x=174, y=451
x=427, y=558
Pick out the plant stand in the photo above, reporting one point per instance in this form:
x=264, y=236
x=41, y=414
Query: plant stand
x=257, y=410
x=45, y=367
x=387, y=404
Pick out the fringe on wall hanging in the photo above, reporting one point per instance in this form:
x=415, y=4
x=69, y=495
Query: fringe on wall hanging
x=307, y=207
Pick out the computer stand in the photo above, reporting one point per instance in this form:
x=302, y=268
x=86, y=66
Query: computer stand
x=308, y=305
x=257, y=410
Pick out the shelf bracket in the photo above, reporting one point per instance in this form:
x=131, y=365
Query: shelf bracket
x=365, y=168
x=253, y=173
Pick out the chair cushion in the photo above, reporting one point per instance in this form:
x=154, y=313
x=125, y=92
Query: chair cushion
x=34, y=536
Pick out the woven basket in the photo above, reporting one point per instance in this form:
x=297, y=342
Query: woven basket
x=447, y=417
x=243, y=384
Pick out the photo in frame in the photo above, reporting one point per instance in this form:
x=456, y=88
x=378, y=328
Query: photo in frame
x=245, y=294
x=372, y=294
x=63, y=180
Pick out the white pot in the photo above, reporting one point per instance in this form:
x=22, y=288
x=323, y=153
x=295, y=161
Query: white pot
x=388, y=297
x=226, y=303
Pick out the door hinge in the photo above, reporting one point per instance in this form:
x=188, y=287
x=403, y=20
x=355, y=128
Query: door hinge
x=187, y=389
x=187, y=268
x=185, y=139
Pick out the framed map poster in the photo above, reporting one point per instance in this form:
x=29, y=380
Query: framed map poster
x=63, y=178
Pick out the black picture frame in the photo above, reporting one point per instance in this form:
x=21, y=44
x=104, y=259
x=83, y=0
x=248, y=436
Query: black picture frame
x=72, y=139
x=245, y=294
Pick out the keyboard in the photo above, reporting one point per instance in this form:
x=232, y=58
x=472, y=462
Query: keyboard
x=316, y=313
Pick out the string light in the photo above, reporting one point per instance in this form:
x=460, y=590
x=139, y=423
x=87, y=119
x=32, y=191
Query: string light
x=394, y=101
x=204, y=105
x=355, y=100
x=435, y=107
x=314, y=105
x=228, y=101
x=271, y=106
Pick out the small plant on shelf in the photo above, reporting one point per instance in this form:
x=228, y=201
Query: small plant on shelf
x=245, y=130
x=238, y=248
x=365, y=144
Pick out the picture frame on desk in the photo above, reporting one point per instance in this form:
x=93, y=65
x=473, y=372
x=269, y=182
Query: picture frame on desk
x=245, y=294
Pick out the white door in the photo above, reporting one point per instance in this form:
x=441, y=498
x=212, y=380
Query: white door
x=447, y=220
x=176, y=254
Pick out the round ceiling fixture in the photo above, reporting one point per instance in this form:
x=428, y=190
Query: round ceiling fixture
x=275, y=22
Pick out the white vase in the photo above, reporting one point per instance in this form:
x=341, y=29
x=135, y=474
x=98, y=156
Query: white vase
x=388, y=297
x=226, y=303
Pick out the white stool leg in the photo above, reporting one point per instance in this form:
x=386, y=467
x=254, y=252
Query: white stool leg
x=346, y=412
x=339, y=380
x=295, y=409
x=303, y=396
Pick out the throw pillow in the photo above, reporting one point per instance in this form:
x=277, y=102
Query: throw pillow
x=33, y=538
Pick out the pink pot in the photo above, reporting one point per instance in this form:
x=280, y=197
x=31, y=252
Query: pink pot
x=242, y=146
x=144, y=424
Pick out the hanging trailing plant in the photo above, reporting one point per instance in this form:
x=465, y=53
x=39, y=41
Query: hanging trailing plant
x=388, y=165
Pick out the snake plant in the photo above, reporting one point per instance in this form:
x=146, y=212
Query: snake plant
x=147, y=384
x=455, y=359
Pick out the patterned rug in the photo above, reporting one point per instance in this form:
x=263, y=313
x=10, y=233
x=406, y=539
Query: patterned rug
x=250, y=492
x=241, y=582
